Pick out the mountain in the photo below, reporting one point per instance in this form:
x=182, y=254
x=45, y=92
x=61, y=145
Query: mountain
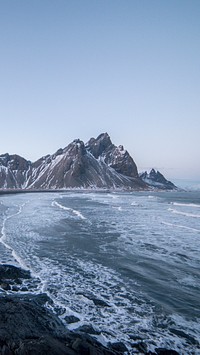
x=96, y=164
x=14, y=171
x=157, y=180
x=115, y=157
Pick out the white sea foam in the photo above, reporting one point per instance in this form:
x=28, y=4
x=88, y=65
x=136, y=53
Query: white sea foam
x=186, y=204
x=189, y=281
x=3, y=237
x=134, y=203
x=180, y=226
x=119, y=208
x=93, y=280
x=19, y=260
x=184, y=213
x=76, y=212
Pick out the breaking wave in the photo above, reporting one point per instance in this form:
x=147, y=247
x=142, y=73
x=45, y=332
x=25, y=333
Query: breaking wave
x=75, y=212
x=186, y=214
x=186, y=204
x=180, y=226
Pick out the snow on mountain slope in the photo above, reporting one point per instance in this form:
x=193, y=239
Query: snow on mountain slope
x=75, y=166
x=14, y=171
x=115, y=157
x=96, y=164
x=156, y=179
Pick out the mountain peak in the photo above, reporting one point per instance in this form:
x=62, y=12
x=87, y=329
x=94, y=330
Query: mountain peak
x=115, y=157
x=99, y=145
x=76, y=147
x=155, y=179
x=14, y=171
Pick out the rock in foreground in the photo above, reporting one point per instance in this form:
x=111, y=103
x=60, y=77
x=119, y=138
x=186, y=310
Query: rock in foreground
x=28, y=327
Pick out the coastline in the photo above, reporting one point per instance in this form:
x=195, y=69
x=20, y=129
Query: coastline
x=29, y=326
x=13, y=289
x=85, y=190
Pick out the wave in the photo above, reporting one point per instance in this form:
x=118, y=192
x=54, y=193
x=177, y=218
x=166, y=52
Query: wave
x=77, y=213
x=180, y=226
x=186, y=204
x=119, y=208
x=134, y=203
x=184, y=213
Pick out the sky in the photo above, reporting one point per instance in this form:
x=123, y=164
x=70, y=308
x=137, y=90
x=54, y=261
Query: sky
x=76, y=68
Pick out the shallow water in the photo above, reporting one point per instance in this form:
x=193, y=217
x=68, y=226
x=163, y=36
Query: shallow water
x=137, y=252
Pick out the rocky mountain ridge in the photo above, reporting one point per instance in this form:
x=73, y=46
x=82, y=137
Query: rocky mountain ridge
x=14, y=171
x=96, y=164
x=157, y=180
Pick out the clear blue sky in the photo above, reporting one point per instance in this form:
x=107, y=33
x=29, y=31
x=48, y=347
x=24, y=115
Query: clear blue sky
x=76, y=68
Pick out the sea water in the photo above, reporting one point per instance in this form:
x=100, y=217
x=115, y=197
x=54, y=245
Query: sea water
x=128, y=264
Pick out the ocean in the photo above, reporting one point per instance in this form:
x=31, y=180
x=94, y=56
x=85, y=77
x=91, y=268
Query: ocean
x=125, y=264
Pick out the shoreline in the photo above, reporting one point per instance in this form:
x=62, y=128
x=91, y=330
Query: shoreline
x=29, y=326
x=85, y=190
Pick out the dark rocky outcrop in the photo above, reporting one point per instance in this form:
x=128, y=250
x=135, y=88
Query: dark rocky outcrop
x=29, y=327
x=11, y=277
x=11, y=272
x=71, y=319
x=157, y=180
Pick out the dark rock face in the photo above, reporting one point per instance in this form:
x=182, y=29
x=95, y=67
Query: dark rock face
x=101, y=145
x=120, y=160
x=28, y=327
x=10, y=272
x=156, y=179
x=71, y=319
x=63, y=169
x=14, y=171
x=11, y=277
x=115, y=157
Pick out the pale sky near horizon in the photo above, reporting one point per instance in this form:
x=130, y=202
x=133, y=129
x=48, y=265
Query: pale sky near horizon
x=74, y=69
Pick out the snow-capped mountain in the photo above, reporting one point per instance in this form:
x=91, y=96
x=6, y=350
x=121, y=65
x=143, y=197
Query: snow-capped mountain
x=14, y=171
x=115, y=157
x=98, y=163
x=156, y=179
